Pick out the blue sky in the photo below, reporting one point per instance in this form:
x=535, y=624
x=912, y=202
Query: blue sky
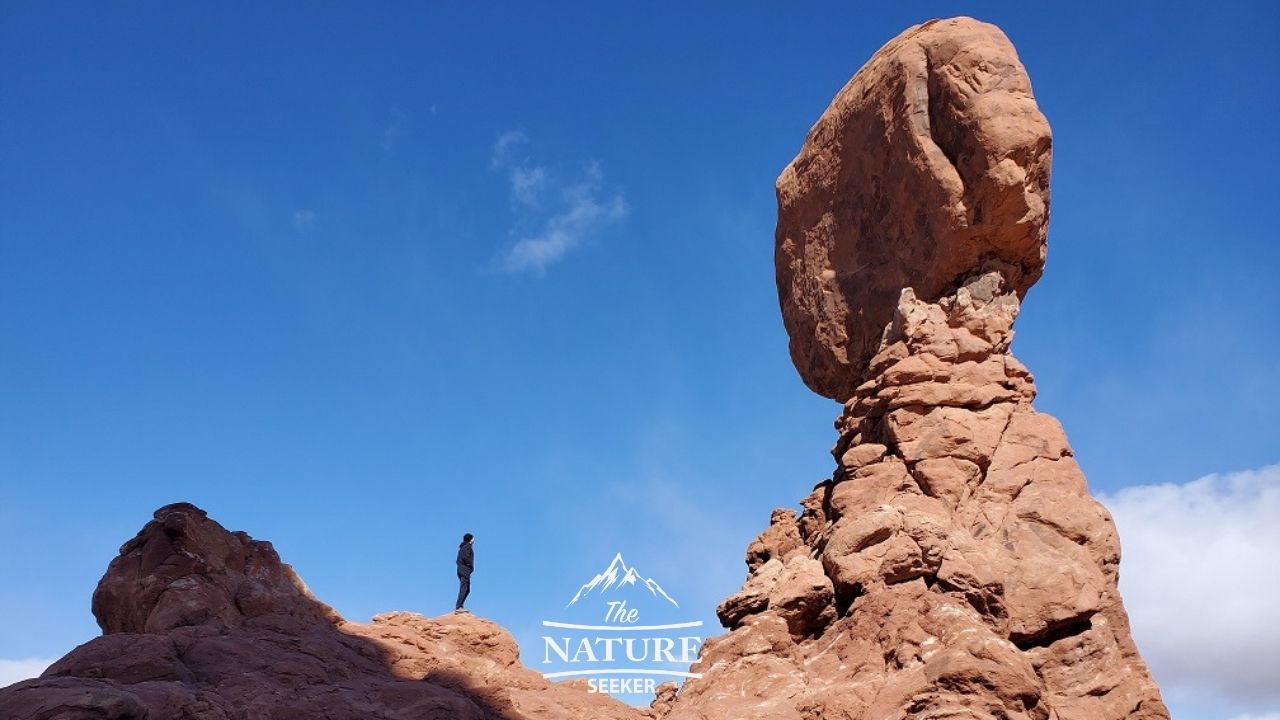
x=357, y=281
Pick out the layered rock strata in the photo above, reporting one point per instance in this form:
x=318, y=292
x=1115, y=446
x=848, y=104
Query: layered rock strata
x=954, y=565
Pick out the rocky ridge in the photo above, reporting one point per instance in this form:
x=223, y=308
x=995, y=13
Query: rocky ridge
x=204, y=624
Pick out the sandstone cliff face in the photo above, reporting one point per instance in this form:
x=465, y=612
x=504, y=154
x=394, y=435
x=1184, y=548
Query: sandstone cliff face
x=954, y=566
x=203, y=624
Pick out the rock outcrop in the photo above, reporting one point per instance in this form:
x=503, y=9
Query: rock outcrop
x=954, y=565
x=204, y=624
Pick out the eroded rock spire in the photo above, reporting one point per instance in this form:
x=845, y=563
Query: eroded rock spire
x=954, y=565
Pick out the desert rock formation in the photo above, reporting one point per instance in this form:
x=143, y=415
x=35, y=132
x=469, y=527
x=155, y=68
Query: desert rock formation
x=204, y=624
x=932, y=160
x=954, y=565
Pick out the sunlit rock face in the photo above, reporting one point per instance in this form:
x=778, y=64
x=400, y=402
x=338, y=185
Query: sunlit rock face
x=204, y=624
x=954, y=565
x=933, y=160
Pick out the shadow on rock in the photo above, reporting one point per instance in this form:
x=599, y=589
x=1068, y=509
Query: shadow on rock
x=205, y=624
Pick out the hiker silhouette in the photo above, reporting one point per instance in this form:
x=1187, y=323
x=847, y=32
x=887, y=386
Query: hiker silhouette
x=466, y=564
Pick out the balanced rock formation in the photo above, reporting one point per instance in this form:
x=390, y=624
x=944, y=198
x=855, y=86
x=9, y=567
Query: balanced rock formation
x=954, y=565
x=204, y=624
x=932, y=160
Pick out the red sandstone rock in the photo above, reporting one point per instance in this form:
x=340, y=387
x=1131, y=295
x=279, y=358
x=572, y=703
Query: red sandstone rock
x=968, y=573
x=664, y=698
x=203, y=624
x=933, y=158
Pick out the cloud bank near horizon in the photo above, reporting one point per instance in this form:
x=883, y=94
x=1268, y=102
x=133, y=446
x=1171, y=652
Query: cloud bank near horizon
x=1195, y=576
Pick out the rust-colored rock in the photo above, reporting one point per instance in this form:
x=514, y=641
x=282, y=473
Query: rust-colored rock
x=931, y=160
x=203, y=624
x=664, y=697
x=954, y=565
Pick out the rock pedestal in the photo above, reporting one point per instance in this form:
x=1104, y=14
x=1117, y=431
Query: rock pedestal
x=954, y=565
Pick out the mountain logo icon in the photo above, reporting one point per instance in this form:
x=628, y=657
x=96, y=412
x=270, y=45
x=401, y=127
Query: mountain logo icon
x=619, y=576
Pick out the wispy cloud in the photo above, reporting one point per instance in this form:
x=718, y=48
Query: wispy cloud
x=504, y=146
x=551, y=216
x=1198, y=583
x=528, y=180
x=396, y=128
x=527, y=184
x=12, y=671
x=304, y=221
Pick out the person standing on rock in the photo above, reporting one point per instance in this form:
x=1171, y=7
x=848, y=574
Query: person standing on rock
x=466, y=563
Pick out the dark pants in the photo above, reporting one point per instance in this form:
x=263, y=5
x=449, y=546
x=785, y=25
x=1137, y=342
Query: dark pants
x=464, y=587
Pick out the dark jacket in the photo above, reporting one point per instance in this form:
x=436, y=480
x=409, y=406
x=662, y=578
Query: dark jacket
x=466, y=558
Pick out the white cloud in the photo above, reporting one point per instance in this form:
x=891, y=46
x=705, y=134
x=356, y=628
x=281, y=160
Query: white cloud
x=504, y=145
x=581, y=208
x=12, y=671
x=527, y=184
x=304, y=221
x=584, y=214
x=1199, y=581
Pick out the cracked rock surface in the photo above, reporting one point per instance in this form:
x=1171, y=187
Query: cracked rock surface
x=931, y=160
x=954, y=565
